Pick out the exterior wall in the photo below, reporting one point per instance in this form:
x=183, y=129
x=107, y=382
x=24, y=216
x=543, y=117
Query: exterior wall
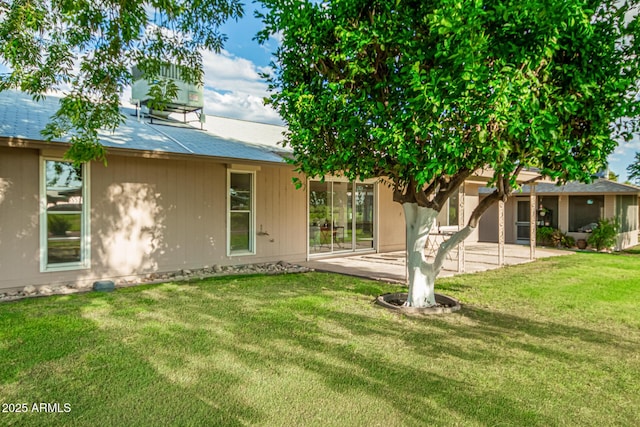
x=488, y=227
x=19, y=223
x=627, y=240
x=148, y=215
x=471, y=201
x=609, y=206
x=391, y=223
x=563, y=212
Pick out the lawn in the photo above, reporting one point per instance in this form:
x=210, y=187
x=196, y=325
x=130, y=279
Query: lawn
x=555, y=342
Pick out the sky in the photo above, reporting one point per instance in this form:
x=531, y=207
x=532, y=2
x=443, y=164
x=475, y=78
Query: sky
x=233, y=87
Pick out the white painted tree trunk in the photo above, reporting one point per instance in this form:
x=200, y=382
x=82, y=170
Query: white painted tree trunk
x=422, y=275
x=419, y=221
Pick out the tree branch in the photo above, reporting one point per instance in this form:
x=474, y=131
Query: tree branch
x=449, y=244
x=454, y=183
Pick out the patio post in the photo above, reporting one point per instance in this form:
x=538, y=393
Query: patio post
x=461, y=248
x=500, y=233
x=533, y=210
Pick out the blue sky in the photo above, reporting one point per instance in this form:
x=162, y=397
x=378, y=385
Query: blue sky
x=233, y=87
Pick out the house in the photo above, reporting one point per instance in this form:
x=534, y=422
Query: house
x=574, y=208
x=170, y=198
x=175, y=197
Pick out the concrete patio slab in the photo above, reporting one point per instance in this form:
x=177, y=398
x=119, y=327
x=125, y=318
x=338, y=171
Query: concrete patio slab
x=391, y=267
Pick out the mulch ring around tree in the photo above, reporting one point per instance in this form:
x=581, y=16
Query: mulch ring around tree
x=395, y=302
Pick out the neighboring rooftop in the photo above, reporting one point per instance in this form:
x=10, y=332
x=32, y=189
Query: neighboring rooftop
x=23, y=118
x=598, y=186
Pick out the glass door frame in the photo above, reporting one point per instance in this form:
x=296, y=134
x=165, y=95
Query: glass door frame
x=353, y=247
x=524, y=224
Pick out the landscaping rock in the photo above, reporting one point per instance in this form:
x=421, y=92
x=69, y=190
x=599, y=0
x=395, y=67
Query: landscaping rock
x=45, y=290
x=280, y=267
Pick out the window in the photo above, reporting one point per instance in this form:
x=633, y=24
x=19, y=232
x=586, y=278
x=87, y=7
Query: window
x=64, y=223
x=240, y=220
x=585, y=212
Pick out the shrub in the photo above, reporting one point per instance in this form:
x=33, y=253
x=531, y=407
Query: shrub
x=605, y=234
x=568, y=241
x=558, y=238
x=543, y=235
x=549, y=236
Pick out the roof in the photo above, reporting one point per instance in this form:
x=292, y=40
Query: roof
x=599, y=186
x=22, y=117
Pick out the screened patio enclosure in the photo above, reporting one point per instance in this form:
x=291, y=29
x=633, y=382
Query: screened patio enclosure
x=341, y=217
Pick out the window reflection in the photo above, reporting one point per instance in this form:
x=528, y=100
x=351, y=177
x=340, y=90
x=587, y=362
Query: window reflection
x=240, y=213
x=64, y=212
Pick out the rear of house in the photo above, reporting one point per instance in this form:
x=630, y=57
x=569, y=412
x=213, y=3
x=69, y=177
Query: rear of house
x=170, y=198
x=174, y=197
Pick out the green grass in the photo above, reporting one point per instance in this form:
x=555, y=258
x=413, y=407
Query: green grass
x=555, y=342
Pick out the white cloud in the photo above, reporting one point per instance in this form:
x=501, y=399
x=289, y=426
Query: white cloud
x=234, y=88
x=239, y=105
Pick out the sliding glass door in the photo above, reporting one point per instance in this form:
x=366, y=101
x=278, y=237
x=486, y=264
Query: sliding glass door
x=341, y=217
x=364, y=216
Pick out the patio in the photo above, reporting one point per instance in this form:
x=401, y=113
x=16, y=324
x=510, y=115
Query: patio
x=390, y=266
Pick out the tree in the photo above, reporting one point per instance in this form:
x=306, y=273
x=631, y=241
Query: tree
x=424, y=94
x=91, y=46
x=634, y=169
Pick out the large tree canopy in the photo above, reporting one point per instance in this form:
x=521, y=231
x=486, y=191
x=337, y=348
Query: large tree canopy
x=425, y=93
x=91, y=46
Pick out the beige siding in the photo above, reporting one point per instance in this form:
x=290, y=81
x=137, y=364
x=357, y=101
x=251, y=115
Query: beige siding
x=609, y=206
x=148, y=215
x=19, y=239
x=563, y=212
x=627, y=240
x=391, y=223
x=281, y=214
x=488, y=226
x=471, y=201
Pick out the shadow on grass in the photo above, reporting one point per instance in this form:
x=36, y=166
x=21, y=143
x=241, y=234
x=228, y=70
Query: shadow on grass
x=221, y=352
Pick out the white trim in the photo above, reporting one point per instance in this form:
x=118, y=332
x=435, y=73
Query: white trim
x=243, y=168
x=85, y=230
x=252, y=213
